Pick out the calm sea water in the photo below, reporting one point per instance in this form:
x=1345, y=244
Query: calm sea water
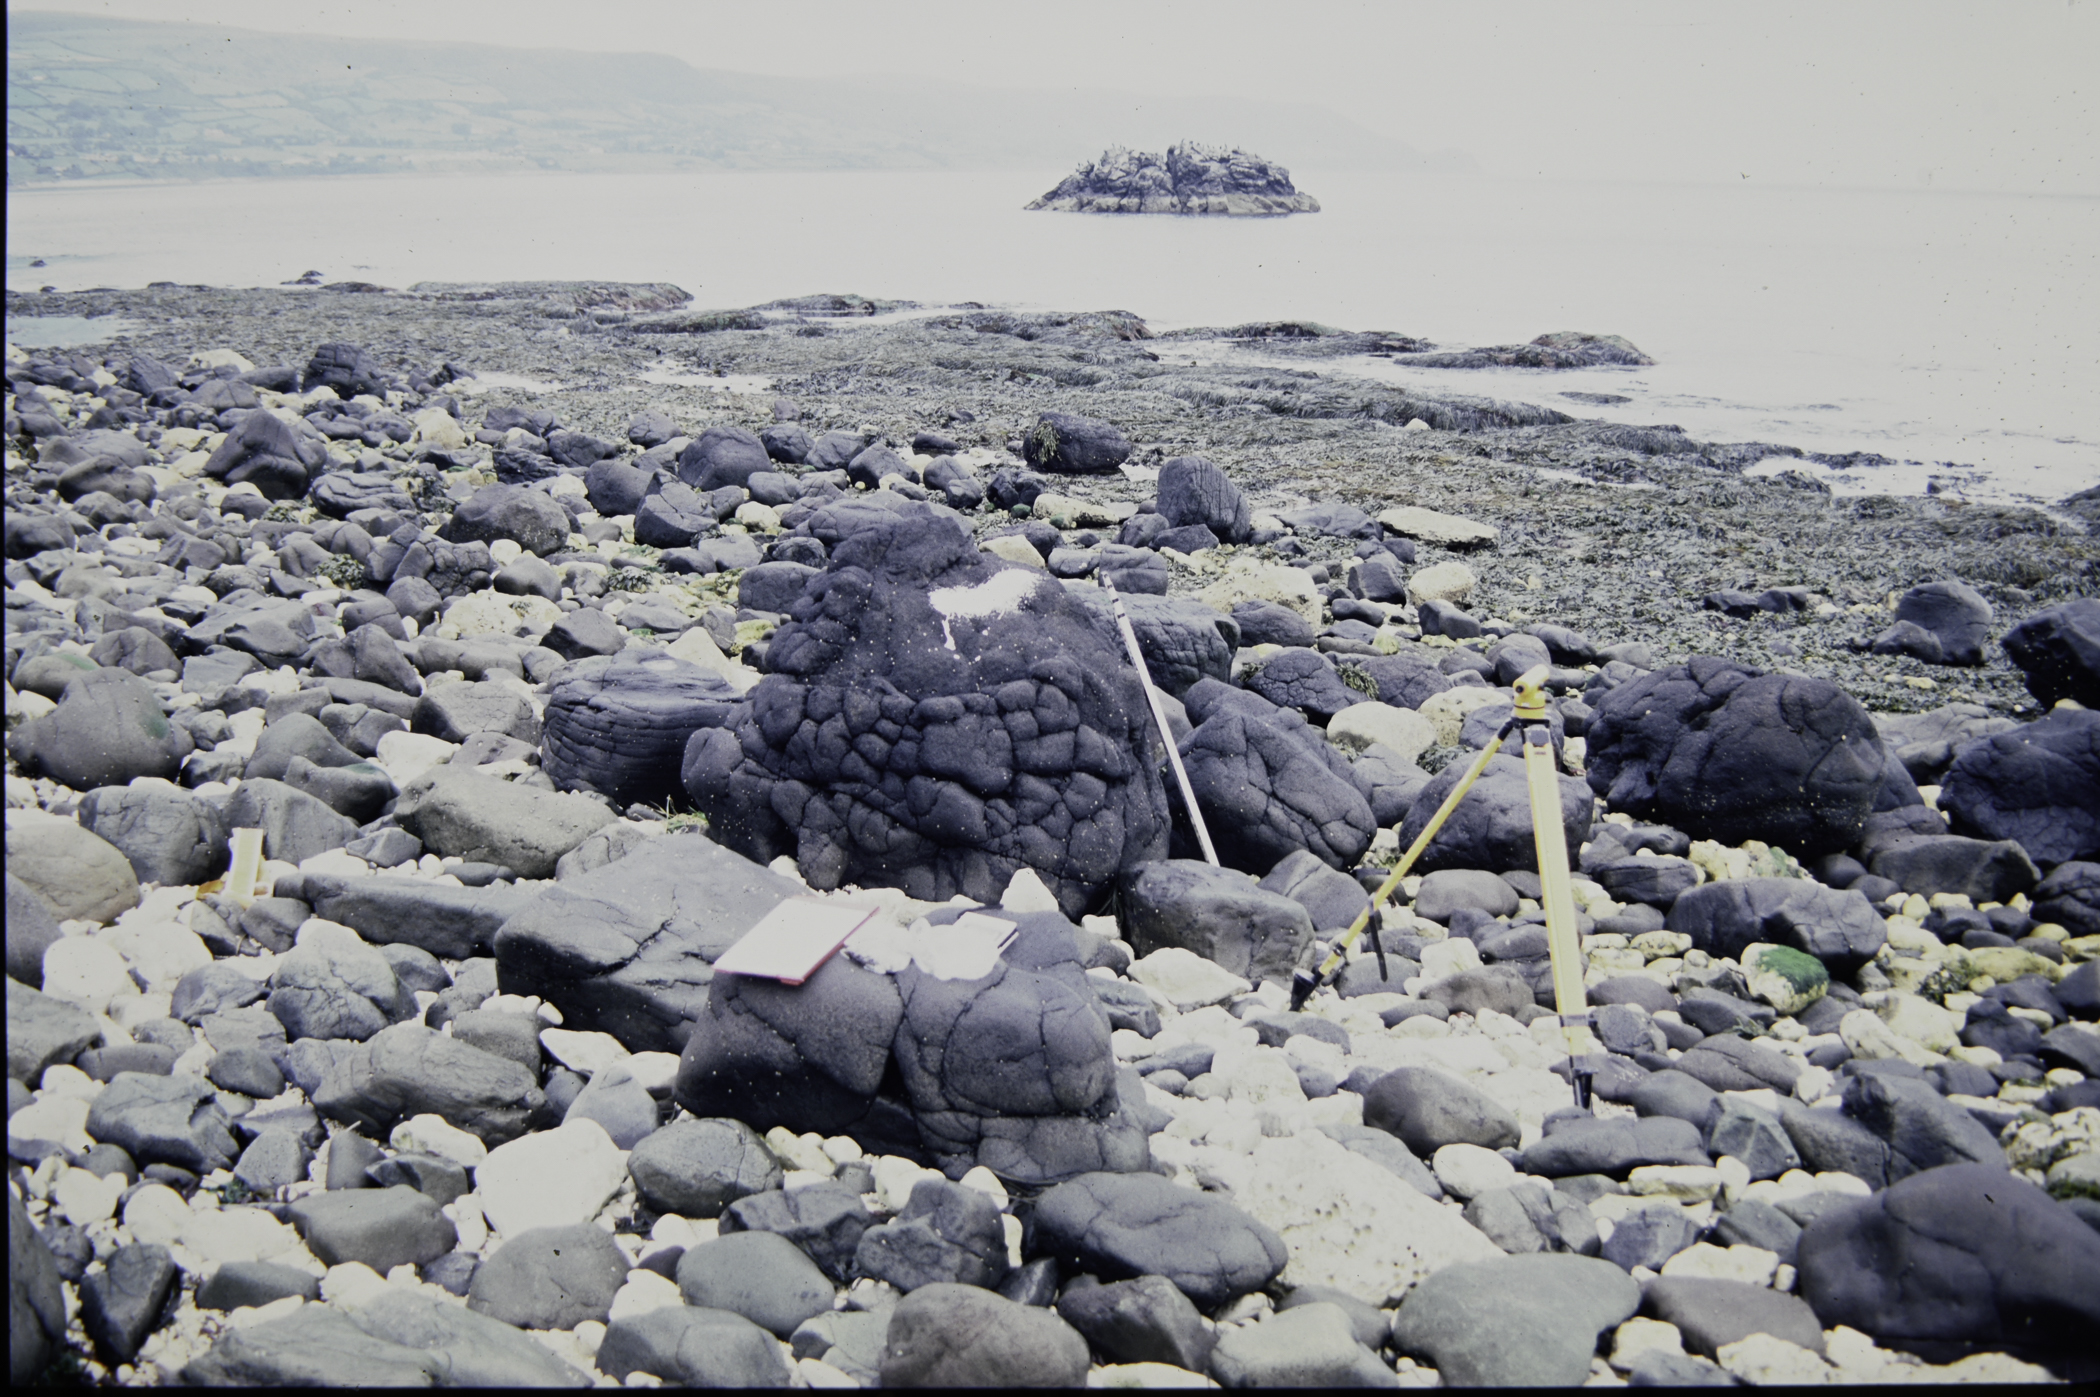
x=1957, y=331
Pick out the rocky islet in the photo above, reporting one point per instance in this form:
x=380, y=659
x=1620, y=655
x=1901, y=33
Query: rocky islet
x=465, y=1072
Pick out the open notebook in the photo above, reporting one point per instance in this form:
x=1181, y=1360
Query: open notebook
x=793, y=940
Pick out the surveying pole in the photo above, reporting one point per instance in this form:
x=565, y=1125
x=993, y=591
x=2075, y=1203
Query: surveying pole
x=1532, y=720
x=1159, y=719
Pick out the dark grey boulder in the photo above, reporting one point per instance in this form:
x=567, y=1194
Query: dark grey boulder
x=30, y=931
x=620, y=1105
x=455, y=712
x=135, y=648
x=1428, y=1109
x=1491, y=828
x=1754, y=1223
x=1304, y=680
x=36, y=1301
x=1614, y=1147
x=1146, y=1320
x=1387, y=1153
x=380, y=1227
x=71, y=870
x=435, y=917
x=292, y=736
x=249, y=1071
x=163, y=1120
x=1330, y=897
x=1332, y=520
x=1127, y=1225
x=1755, y=1136
x=615, y=486
x=121, y=1304
x=1838, y=927
x=1501, y=988
x=268, y=453
x=2038, y=785
x=1959, y=1254
x=254, y=1283
x=455, y=810
x=2058, y=649
x=1181, y=639
x=827, y=1220
x=875, y=752
x=773, y=586
x=1447, y=890
x=721, y=456
x=626, y=949
x=532, y=519
x=1659, y=882
x=1727, y=1062
x=295, y=825
x=1548, y=1313
x=315, y=1346
x=1731, y=753
x=760, y=1275
x=619, y=725
x=1193, y=491
x=693, y=1347
x=2069, y=896
x=1221, y=914
x=1269, y=784
x=1266, y=623
x=1981, y=870
x=1952, y=615
x=944, y=1233
x=273, y=1160
x=407, y=1070
x=962, y=1336
x=1400, y=680
x=549, y=1277
x=1649, y=1238
x=1304, y=1346
x=1924, y=1130
x=1065, y=443
x=107, y=730
x=334, y=991
x=1834, y=1141
x=470, y=1348
x=1711, y=1314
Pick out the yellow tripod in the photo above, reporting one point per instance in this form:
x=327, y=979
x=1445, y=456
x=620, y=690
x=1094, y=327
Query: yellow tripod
x=1531, y=719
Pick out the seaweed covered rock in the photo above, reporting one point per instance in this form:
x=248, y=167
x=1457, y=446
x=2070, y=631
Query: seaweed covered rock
x=1727, y=752
x=618, y=724
x=936, y=720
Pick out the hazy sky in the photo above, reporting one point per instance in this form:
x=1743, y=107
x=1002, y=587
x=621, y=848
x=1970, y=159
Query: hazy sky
x=1996, y=95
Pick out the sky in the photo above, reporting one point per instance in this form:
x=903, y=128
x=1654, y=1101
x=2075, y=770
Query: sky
x=1887, y=93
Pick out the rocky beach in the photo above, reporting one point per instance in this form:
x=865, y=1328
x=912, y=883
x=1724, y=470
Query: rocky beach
x=540, y=639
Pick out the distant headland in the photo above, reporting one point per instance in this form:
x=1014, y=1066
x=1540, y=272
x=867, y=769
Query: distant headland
x=1188, y=179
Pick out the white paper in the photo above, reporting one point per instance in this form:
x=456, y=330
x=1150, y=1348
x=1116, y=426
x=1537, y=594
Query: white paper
x=793, y=939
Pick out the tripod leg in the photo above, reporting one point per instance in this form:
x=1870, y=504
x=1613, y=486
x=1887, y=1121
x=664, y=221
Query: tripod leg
x=1569, y=998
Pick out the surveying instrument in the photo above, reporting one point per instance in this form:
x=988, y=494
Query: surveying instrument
x=1541, y=772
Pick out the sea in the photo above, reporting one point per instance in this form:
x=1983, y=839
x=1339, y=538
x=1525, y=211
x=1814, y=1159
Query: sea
x=1957, y=334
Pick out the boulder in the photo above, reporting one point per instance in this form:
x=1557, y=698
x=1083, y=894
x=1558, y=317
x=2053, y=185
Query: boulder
x=618, y=725
x=164, y=1120
x=935, y=720
x=1330, y=897
x=2069, y=896
x=2038, y=784
x=827, y=1221
x=1731, y=753
x=2058, y=649
x=1125, y=1225
x=692, y=1347
x=1304, y=680
x=457, y=811
x=435, y=917
x=1548, y=1311
x=1428, y=1110
x=1980, y=870
x=69, y=869
x=31, y=928
x=265, y=451
x=407, y=1070
x=1193, y=491
x=1924, y=1130
x=532, y=519
x=1219, y=913
x=626, y=949
x=1837, y=926
x=1311, y=1345
x=1269, y=785
x=378, y=1227
x=107, y=730
x=1065, y=443
x=1492, y=828
x=722, y=456
x=1958, y=1254
x=961, y=1336
x=36, y=1302
x=944, y=1234
x=170, y=837
x=1182, y=640
x=550, y=1278
x=1146, y=1320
